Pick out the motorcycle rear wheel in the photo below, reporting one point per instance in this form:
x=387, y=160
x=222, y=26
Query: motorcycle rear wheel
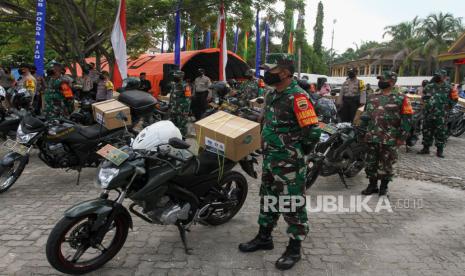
x=235, y=185
x=9, y=175
x=79, y=238
x=458, y=130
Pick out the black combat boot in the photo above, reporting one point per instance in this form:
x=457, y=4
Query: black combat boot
x=263, y=241
x=425, y=150
x=440, y=153
x=291, y=256
x=383, y=188
x=372, y=187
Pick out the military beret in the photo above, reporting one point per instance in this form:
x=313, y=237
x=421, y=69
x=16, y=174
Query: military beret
x=388, y=75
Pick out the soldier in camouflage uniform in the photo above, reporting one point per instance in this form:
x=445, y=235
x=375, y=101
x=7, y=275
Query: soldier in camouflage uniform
x=290, y=130
x=56, y=105
x=180, y=102
x=388, y=121
x=440, y=99
x=248, y=89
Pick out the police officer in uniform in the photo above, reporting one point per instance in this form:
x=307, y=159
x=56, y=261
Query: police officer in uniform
x=180, y=102
x=351, y=97
x=290, y=130
x=388, y=122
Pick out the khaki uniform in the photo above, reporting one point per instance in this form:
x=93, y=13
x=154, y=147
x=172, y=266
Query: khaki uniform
x=352, y=95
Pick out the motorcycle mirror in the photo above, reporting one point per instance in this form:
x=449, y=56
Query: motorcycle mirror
x=121, y=116
x=178, y=143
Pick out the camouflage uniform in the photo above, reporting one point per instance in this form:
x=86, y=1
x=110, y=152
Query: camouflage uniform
x=390, y=122
x=248, y=90
x=443, y=99
x=290, y=124
x=180, y=105
x=56, y=105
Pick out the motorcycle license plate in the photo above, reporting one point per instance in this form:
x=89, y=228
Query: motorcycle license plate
x=15, y=147
x=112, y=154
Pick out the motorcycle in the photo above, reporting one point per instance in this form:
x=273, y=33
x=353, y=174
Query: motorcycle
x=20, y=100
x=339, y=151
x=456, y=121
x=167, y=184
x=84, y=114
x=64, y=143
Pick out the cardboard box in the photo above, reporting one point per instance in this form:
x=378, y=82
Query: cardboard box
x=253, y=103
x=228, y=135
x=461, y=102
x=105, y=113
x=357, y=115
x=164, y=98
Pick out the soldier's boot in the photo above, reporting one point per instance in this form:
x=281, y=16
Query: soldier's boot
x=372, y=187
x=440, y=153
x=425, y=150
x=291, y=256
x=263, y=241
x=383, y=188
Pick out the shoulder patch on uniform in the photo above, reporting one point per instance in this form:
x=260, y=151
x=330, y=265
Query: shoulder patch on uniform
x=304, y=111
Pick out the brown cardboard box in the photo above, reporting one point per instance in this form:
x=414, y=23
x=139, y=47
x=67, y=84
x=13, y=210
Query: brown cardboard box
x=164, y=98
x=105, y=113
x=461, y=102
x=357, y=115
x=229, y=135
x=414, y=98
x=253, y=103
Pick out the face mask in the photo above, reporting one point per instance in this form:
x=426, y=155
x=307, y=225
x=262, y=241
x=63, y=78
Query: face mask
x=102, y=77
x=351, y=75
x=383, y=84
x=271, y=78
x=437, y=79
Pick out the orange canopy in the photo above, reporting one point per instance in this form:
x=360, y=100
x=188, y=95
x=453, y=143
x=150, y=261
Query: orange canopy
x=191, y=61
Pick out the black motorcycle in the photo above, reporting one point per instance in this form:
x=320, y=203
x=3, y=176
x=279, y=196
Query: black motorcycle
x=168, y=187
x=84, y=114
x=456, y=121
x=20, y=101
x=61, y=143
x=340, y=151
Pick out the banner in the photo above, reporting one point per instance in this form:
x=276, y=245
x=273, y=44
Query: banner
x=290, y=47
x=118, y=42
x=39, y=47
x=177, y=43
x=208, y=36
x=267, y=40
x=246, y=50
x=223, y=47
x=258, y=52
x=236, y=39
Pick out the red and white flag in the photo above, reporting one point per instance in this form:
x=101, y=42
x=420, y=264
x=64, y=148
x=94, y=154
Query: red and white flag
x=223, y=46
x=118, y=41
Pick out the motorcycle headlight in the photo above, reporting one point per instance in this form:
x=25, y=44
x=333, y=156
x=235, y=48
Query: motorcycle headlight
x=106, y=175
x=324, y=137
x=22, y=137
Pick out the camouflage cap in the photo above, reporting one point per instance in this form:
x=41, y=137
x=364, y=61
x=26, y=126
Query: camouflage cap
x=388, y=75
x=283, y=62
x=441, y=72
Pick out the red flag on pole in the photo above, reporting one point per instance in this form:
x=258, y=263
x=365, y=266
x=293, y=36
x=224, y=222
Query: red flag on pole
x=118, y=42
x=223, y=46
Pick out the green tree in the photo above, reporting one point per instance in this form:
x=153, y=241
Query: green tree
x=318, y=30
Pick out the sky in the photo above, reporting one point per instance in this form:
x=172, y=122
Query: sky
x=364, y=20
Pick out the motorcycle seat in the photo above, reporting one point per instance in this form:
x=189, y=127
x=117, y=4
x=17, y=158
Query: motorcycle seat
x=210, y=162
x=94, y=131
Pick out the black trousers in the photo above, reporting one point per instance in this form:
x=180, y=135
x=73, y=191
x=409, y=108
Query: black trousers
x=349, y=108
x=199, y=104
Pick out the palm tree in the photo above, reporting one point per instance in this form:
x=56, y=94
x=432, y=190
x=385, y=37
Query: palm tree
x=440, y=30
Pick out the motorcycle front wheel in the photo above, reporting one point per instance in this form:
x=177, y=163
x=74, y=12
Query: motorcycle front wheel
x=9, y=175
x=234, y=188
x=72, y=249
x=458, y=130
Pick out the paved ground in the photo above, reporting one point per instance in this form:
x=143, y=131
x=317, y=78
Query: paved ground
x=448, y=171
x=408, y=241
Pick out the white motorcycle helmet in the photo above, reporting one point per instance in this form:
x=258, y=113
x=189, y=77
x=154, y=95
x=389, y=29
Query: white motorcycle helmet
x=155, y=135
